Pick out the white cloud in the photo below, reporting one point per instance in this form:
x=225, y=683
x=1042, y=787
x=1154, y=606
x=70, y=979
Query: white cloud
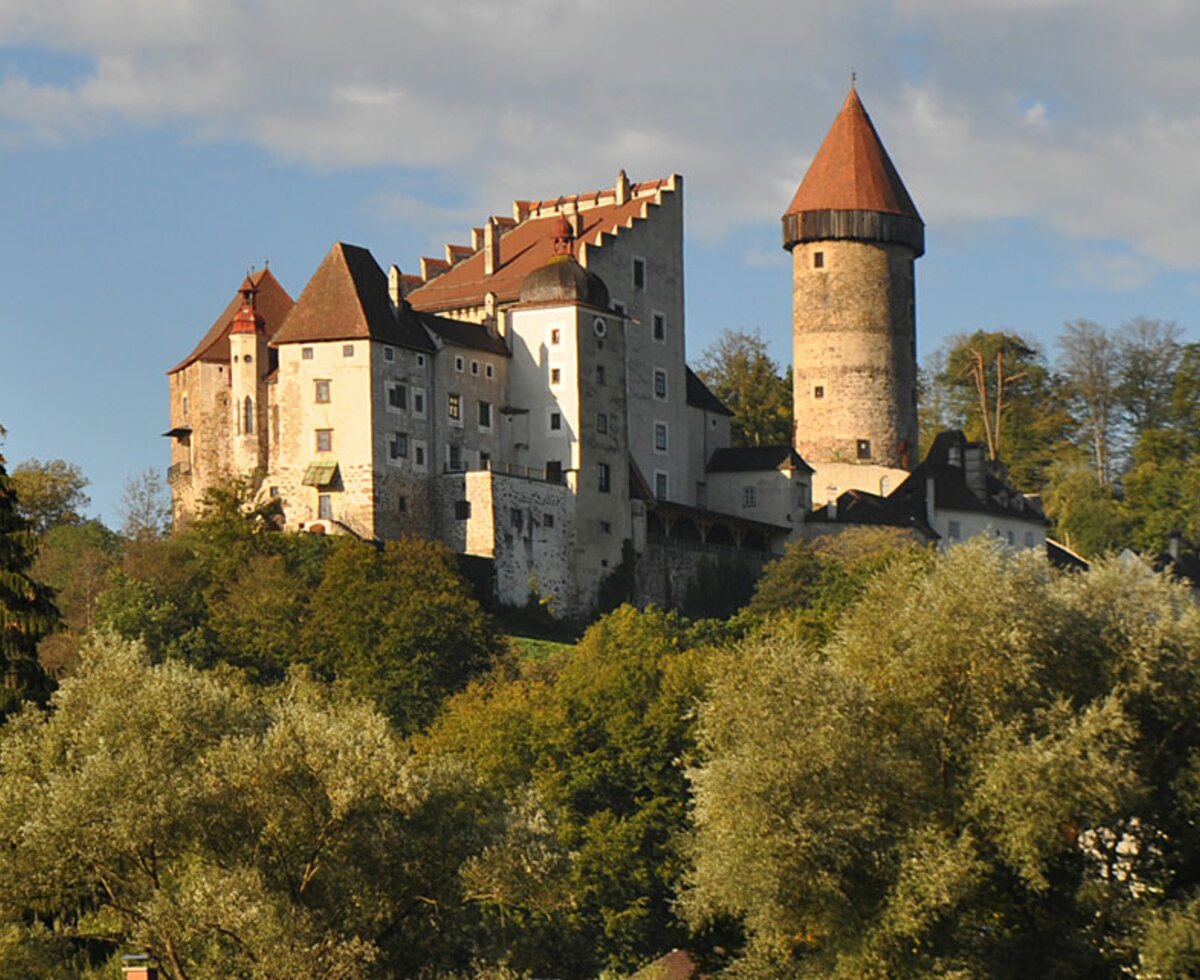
x=537, y=97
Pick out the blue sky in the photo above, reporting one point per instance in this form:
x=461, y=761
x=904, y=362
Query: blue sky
x=150, y=152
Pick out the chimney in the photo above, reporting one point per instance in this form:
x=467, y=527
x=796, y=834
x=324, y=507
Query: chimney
x=491, y=247
x=395, y=287
x=930, y=500
x=622, y=189
x=137, y=966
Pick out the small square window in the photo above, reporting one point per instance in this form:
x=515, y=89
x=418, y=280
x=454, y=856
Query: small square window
x=306, y=353
x=864, y=448
x=619, y=308
x=818, y=260
x=324, y=440
x=398, y=397
x=819, y=391
x=660, y=384
x=555, y=421
x=458, y=364
x=274, y=492
x=389, y=354
x=555, y=376
x=322, y=392
x=462, y=510
x=398, y=447
x=639, y=273
x=660, y=328
x=547, y=520
x=347, y=350
x=454, y=406
x=488, y=370
x=605, y=527
x=602, y=423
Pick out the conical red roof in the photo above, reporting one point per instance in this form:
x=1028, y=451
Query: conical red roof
x=852, y=171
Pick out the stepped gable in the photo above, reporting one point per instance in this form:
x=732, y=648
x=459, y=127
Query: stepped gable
x=347, y=299
x=526, y=243
x=271, y=302
x=852, y=171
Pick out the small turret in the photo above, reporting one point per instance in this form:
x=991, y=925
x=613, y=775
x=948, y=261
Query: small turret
x=248, y=368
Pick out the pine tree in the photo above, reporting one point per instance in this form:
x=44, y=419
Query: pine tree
x=27, y=610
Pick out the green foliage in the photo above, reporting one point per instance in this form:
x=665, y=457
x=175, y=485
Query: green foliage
x=27, y=610
x=978, y=775
x=397, y=625
x=718, y=588
x=50, y=493
x=740, y=372
x=1087, y=516
x=229, y=831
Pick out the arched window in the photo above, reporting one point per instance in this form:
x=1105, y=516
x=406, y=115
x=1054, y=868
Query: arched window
x=248, y=423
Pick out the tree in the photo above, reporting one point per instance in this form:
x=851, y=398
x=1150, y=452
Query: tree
x=1148, y=353
x=27, y=610
x=1090, y=365
x=51, y=493
x=740, y=372
x=986, y=772
x=145, y=507
x=398, y=625
x=1087, y=516
x=229, y=831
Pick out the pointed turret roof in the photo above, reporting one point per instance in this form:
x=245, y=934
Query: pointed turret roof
x=852, y=171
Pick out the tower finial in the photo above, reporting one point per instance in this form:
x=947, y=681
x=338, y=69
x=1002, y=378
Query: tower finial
x=853, y=77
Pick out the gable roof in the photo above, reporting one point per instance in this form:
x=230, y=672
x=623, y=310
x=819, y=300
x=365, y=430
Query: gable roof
x=852, y=171
x=527, y=244
x=699, y=395
x=749, y=459
x=272, y=303
x=347, y=299
x=460, y=333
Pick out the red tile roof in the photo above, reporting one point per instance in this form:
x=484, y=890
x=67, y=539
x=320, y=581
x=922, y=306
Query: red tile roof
x=272, y=304
x=852, y=170
x=529, y=244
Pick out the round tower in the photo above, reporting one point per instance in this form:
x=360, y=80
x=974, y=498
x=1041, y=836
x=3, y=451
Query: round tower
x=854, y=234
x=248, y=364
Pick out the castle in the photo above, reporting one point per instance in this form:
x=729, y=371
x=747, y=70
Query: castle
x=526, y=398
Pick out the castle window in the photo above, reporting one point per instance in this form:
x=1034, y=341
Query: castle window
x=462, y=510
x=555, y=421
x=819, y=391
x=419, y=454
x=660, y=384
x=485, y=415
x=402, y=505
x=547, y=520
x=454, y=461
x=306, y=353
x=347, y=350
x=474, y=367
x=185, y=406
x=458, y=364
x=749, y=497
x=324, y=440
x=602, y=423
x=420, y=360
x=555, y=335
x=818, y=260
x=605, y=527
x=660, y=437
x=485, y=460
x=660, y=485
x=248, y=409
x=554, y=471
x=418, y=401
x=454, y=406
x=864, y=448
x=639, y=273
x=516, y=518
x=660, y=328
x=389, y=354
x=619, y=307
x=488, y=370
x=325, y=506
x=604, y=483
x=322, y=392
x=599, y=374
x=397, y=396
x=555, y=376
x=398, y=447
